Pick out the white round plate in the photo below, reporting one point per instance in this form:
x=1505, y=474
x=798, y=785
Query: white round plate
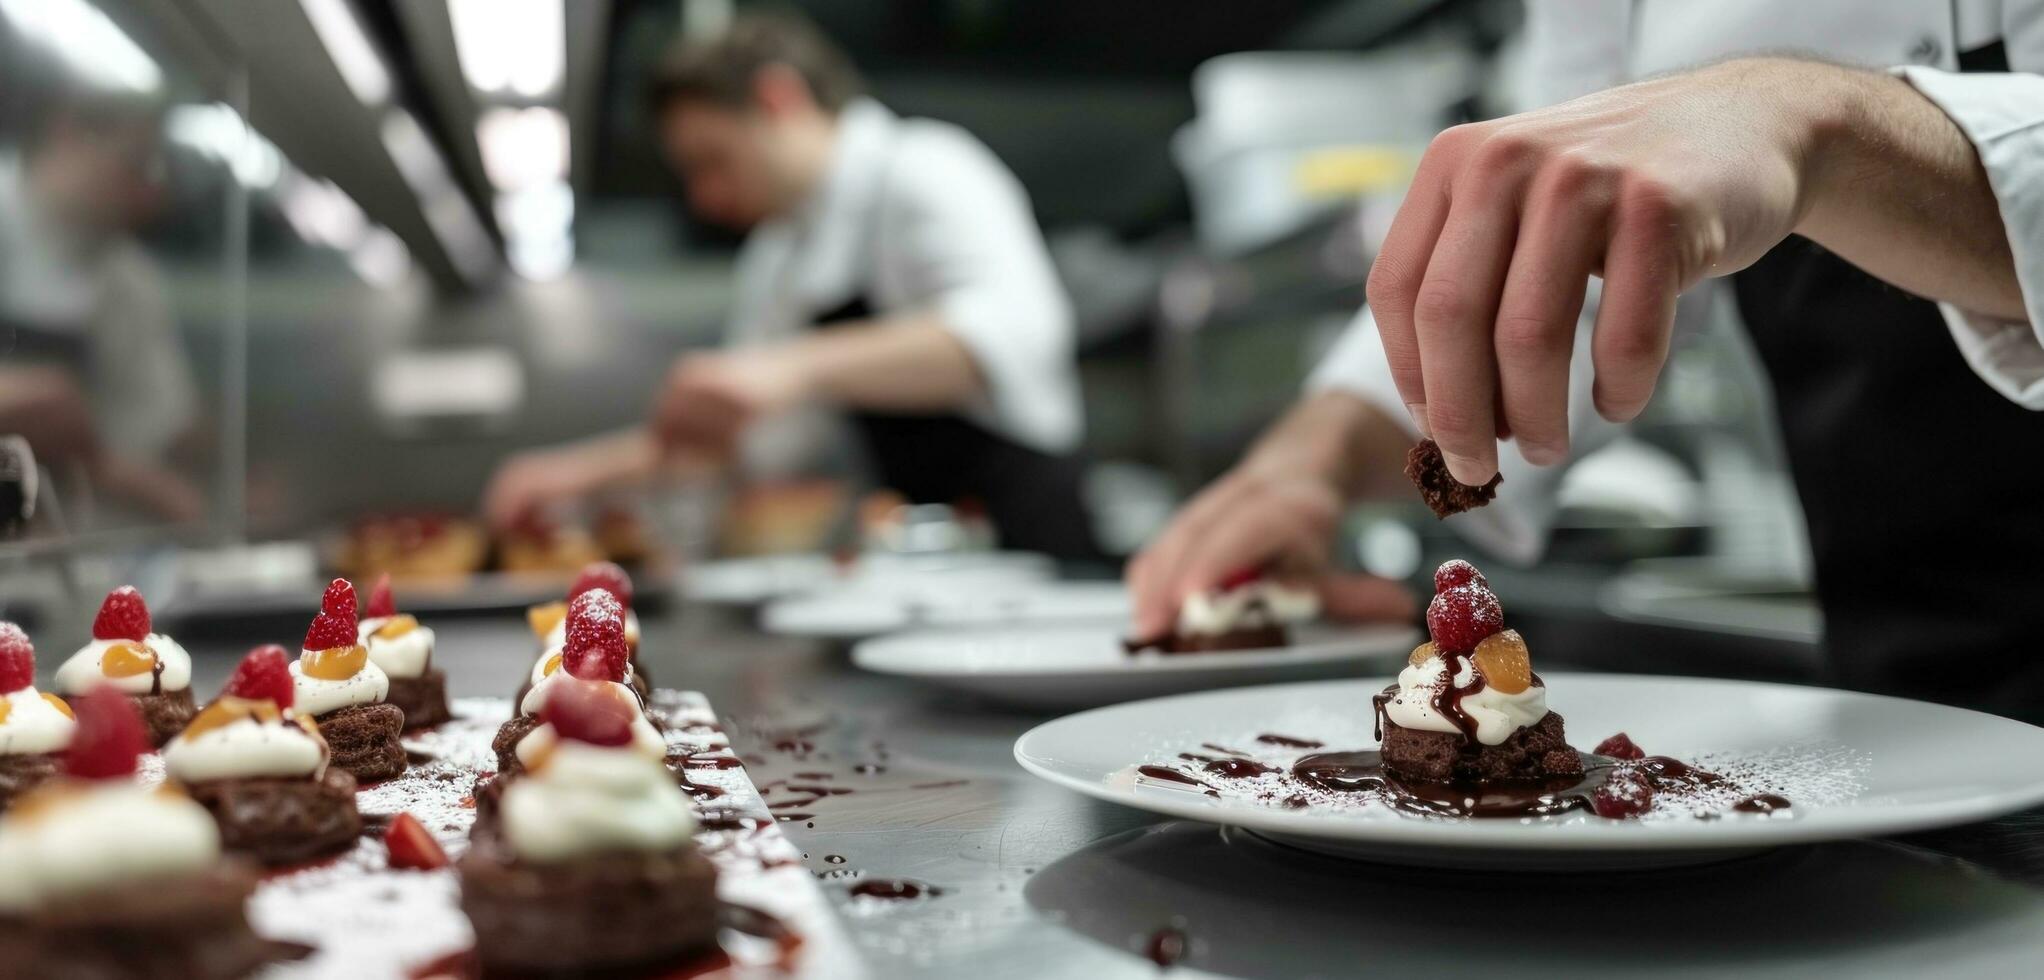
x=751, y=581
x=1873, y=766
x=1073, y=667
x=967, y=598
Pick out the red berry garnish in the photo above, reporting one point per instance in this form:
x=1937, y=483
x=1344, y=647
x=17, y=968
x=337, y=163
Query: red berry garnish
x=1239, y=578
x=589, y=711
x=381, y=604
x=1462, y=617
x=263, y=675
x=17, y=659
x=1454, y=572
x=1620, y=746
x=1624, y=795
x=339, y=599
x=123, y=616
x=411, y=846
x=595, y=648
x=109, y=737
x=604, y=575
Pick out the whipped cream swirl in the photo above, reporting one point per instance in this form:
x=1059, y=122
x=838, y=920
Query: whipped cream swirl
x=587, y=799
x=74, y=839
x=1253, y=605
x=247, y=748
x=407, y=655
x=81, y=671
x=318, y=696
x=33, y=724
x=1497, y=715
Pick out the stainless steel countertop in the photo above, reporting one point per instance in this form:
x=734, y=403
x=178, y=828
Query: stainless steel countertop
x=1036, y=881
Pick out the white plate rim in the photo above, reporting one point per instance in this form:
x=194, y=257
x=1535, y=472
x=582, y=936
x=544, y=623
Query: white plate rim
x=1362, y=645
x=1508, y=835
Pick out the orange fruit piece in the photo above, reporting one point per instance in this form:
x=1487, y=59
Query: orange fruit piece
x=1505, y=662
x=55, y=702
x=553, y=663
x=1422, y=653
x=544, y=618
x=127, y=660
x=337, y=664
x=398, y=625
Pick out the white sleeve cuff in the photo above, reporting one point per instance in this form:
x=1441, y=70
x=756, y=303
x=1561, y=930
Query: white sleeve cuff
x=2003, y=115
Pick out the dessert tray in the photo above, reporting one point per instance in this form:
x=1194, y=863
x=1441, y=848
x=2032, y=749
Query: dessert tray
x=364, y=919
x=857, y=612
x=1081, y=666
x=1853, y=765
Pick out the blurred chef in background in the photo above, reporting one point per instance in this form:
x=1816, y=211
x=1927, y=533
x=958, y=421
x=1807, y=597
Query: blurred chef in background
x=1834, y=197
x=893, y=291
x=92, y=370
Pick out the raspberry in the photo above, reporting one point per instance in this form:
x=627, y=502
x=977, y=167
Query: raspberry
x=607, y=576
x=17, y=659
x=380, y=602
x=1454, y=572
x=109, y=737
x=339, y=599
x=595, y=647
x=263, y=675
x=1620, y=746
x=123, y=616
x=589, y=711
x=411, y=846
x=1464, y=616
x=1239, y=578
x=1625, y=794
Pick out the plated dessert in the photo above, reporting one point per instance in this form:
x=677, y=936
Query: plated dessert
x=262, y=770
x=594, y=651
x=403, y=650
x=101, y=876
x=337, y=685
x=1247, y=611
x=588, y=861
x=539, y=544
x=549, y=622
x=148, y=667
x=34, y=727
x=412, y=547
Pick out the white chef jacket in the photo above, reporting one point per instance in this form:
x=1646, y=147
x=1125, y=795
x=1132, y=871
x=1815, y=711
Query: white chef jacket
x=916, y=215
x=1575, y=47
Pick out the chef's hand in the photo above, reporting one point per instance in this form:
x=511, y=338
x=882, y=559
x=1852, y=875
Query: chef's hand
x=46, y=406
x=1651, y=186
x=710, y=398
x=537, y=480
x=1279, y=510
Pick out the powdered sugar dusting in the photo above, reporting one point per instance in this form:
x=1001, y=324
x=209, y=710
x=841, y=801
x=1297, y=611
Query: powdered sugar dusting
x=365, y=919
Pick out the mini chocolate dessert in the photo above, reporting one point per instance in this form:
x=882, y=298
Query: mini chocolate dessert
x=147, y=666
x=103, y=877
x=1246, y=611
x=550, y=623
x=594, y=651
x=403, y=649
x=1468, y=707
x=34, y=727
x=339, y=687
x=262, y=771
x=1445, y=495
x=588, y=862
x=539, y=544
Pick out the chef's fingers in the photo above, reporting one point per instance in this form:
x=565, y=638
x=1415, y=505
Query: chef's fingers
x=1152, y=573
x=1559, y=243
x=1453, y=315
x=1290, y=524
x=1367, y=599
x=1401, y=266
x=1636, y=312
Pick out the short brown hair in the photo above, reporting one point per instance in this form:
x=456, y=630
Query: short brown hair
x=721, y=69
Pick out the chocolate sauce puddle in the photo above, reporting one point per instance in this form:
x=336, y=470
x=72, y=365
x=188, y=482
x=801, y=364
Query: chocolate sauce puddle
x=893, y=889
x=1364, y=772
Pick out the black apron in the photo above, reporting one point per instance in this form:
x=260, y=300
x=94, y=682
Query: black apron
x=1923, y=488
x=1032, y=497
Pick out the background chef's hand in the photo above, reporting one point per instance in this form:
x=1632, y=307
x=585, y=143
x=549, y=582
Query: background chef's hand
x=536, y=480
x=1652, y=186
x=710, y=398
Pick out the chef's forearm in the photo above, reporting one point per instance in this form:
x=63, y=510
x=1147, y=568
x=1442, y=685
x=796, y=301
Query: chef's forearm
x=906, y=363
x=1894, y=186
x=1340, y=438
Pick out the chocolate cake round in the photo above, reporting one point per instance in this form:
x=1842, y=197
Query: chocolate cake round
x=1247, y=638
x=505, y=744
x=189, y=927
x=283, y=820
x=599, y=912
x=423, y=699
x=364, y=740
x=24, y=772
x=1538, y=751
x=165, y=714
